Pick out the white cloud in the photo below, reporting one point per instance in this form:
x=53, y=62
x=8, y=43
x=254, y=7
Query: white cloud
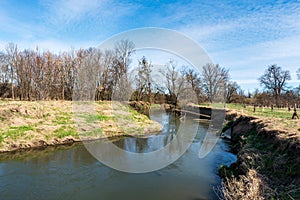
x=65, y=11
x=249, y=43
x=11, y=26
x=262, y=23
x=264, y=51
x=52, y=45
x=202, y=32
x=87, y=13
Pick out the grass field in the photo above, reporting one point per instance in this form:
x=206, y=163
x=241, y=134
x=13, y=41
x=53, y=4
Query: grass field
x=278, y=119
x=281, y=113
x=26, y=124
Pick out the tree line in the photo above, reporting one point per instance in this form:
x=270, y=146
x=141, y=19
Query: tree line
x=275, y=91
x=35, y=75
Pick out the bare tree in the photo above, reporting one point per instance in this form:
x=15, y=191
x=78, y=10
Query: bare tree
x=194, y=79
x=232, y=90
x=105, y=81
x=143, y=80
x=4, y=68
x=36, y=75
x=118, y=71
x=24, y=74
x=174, y=82
x=13, y=55
x=123, y=51
x=5, y=87
x=274, y=79
x=214, y=80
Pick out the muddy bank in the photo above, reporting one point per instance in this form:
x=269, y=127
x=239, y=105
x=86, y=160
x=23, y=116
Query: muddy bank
x=268, y=162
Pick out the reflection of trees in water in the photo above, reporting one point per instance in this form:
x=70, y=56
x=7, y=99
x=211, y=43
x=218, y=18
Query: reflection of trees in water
x=140, y=145
x=120, y=143
x=68, y=155
x=132, y=144
x=171, y=124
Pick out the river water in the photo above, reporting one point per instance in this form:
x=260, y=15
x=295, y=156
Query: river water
x=71, y=172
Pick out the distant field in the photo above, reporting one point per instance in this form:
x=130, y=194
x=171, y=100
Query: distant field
x=282, y=113
x=279, y=118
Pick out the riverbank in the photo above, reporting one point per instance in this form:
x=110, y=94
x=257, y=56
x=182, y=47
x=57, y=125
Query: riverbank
x=25, y=125
x=267, y=158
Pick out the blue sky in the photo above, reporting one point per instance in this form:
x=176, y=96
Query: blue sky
x=245, y=36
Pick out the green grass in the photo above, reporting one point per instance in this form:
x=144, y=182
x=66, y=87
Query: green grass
x=16, y=131
x=234, y=106
x=275, y=161
x=62, y=119
x=2, y=118
x=259, y=111
x=281, y=113
x=64, y=131
x=205, y=104
x=94, y=132
x=269, y=157
x=136, y=116
x=153, y=106
x=91, y=118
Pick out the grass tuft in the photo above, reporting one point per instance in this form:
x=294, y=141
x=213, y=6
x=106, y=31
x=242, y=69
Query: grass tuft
x=65, y=131
x=17, y=131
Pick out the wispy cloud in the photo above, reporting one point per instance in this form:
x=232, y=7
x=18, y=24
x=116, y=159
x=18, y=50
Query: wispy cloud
x=53, y=45
x=263, y=52
x=66, y=11
x=62, y=24
x=89, y=17
x=249, y=41
x=245, y=36
x=13, y=27
x=247, y=63
x=244, y=26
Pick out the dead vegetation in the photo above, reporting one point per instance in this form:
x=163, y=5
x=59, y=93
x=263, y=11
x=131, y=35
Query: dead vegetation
x=25, y=124
x=249, y=186
x=268, y=160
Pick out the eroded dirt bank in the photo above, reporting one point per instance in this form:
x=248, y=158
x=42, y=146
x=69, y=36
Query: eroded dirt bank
x=268, y=160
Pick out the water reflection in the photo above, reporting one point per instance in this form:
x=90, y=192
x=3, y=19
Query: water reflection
x=72, y=173
x=170, y=124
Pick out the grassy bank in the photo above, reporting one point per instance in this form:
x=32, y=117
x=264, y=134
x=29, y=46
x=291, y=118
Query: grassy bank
x=33, y=124
x=267, y=145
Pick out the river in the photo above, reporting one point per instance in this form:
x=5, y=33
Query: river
x=71, y=172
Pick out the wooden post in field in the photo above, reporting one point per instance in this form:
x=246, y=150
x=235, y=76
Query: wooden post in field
x=295, y=116
x=272, y=108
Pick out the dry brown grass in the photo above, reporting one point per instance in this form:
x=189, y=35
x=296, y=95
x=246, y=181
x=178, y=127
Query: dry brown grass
x=26, y=124
x=279, y=120
x=268, y=158
x=246, y=187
